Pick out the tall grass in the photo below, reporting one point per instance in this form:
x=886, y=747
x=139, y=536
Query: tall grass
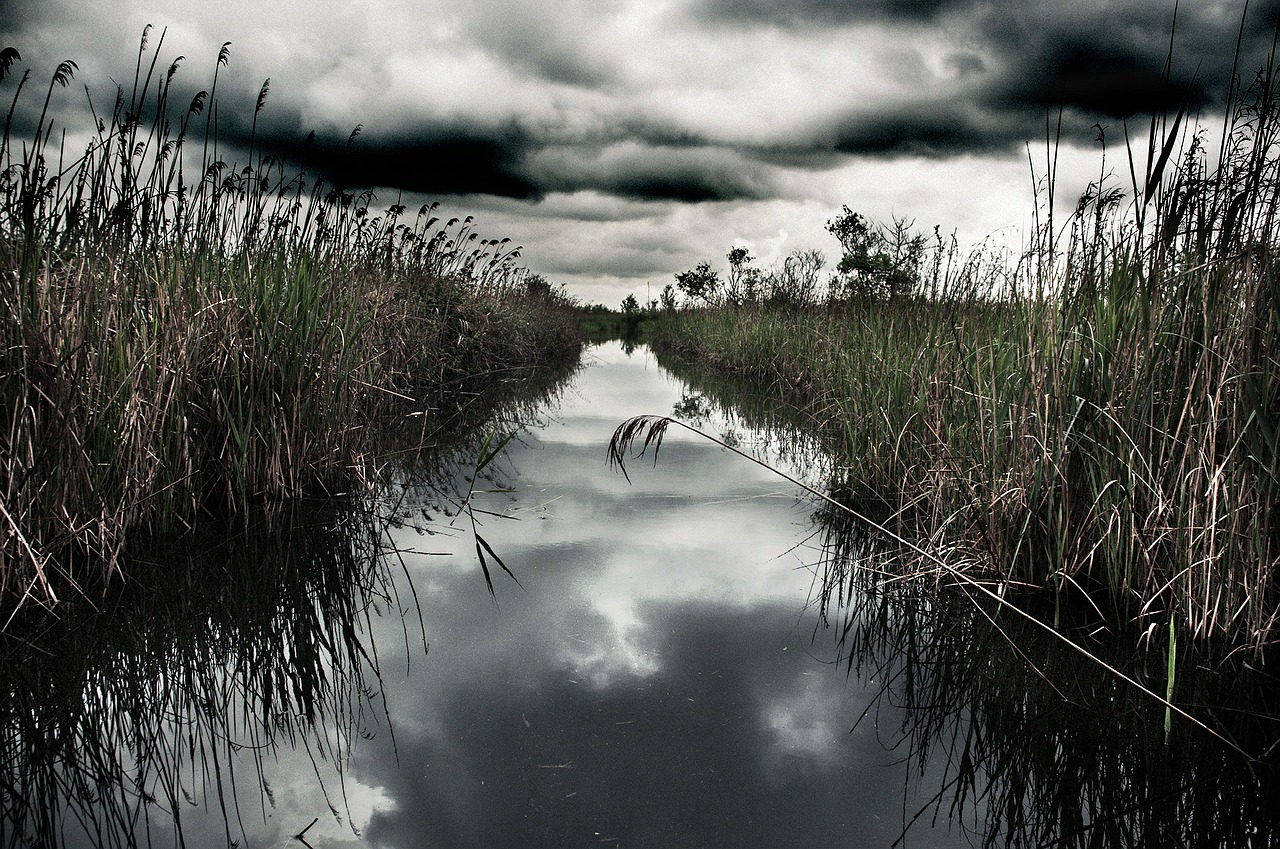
x=1100, y=416
x=180, y=334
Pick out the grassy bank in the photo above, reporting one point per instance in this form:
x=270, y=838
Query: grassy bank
x=1099, y=416
x=181, y=334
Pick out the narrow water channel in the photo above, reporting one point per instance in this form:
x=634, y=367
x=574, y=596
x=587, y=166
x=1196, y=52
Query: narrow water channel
x=647, y=665
x=653, y=679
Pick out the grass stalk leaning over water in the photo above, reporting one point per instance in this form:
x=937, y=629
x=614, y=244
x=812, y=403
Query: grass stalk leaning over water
x=649, y=431
x=1037, y=746
x=179, y=334
x=1100, y=416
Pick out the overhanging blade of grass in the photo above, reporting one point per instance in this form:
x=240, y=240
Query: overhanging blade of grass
x=652, y=428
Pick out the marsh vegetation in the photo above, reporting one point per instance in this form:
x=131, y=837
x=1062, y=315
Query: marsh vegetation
x=192, y=347
x=185, y=335
x=162, y=708
x=255, y=679
x=1097, y=417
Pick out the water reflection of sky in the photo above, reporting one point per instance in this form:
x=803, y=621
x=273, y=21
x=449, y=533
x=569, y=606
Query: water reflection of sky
x=653, y=682
x=656, y=677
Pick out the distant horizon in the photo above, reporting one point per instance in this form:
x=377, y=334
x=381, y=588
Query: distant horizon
x=622, y=143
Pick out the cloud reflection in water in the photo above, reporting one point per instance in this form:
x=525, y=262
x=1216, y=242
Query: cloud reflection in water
x=655, y=682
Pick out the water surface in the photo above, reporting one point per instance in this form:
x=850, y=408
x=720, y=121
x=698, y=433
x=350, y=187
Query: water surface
x=653, y=680
x=652, y=663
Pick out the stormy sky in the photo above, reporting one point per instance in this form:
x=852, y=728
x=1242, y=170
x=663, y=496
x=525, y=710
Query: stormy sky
x=621, y=141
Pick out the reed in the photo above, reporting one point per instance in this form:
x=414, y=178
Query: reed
x=1099, y=415
x=181, y=335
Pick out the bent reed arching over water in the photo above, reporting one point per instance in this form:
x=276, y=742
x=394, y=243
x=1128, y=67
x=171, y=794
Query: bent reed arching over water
x=1099, y=416
x=181, y=335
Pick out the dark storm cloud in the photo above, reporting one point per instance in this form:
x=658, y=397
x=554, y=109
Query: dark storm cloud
x=1026, y=61
x=462, y=162
x=641, y=172
x=821, y=13
x=1111, y=60
x=1118, y=86
x=1101, y=72
x=691, y=188
x=447, y=166
x=934, y=129
x=510, y=162
x=706, y=101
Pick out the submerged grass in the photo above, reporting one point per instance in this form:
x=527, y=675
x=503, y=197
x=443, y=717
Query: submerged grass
x=180, y=335
x=1100, y=416
x=175, y=691
x=1032, y=745
x=148, y=704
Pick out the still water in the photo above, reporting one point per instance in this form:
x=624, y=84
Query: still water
x=650, y=663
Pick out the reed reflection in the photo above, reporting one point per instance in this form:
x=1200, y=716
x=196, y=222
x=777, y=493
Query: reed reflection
x=122, y=718
x=1026, y=742
x=1041, y=745
x=158, y=708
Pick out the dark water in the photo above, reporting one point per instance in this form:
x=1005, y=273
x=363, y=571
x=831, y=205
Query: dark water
x=685, y=660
